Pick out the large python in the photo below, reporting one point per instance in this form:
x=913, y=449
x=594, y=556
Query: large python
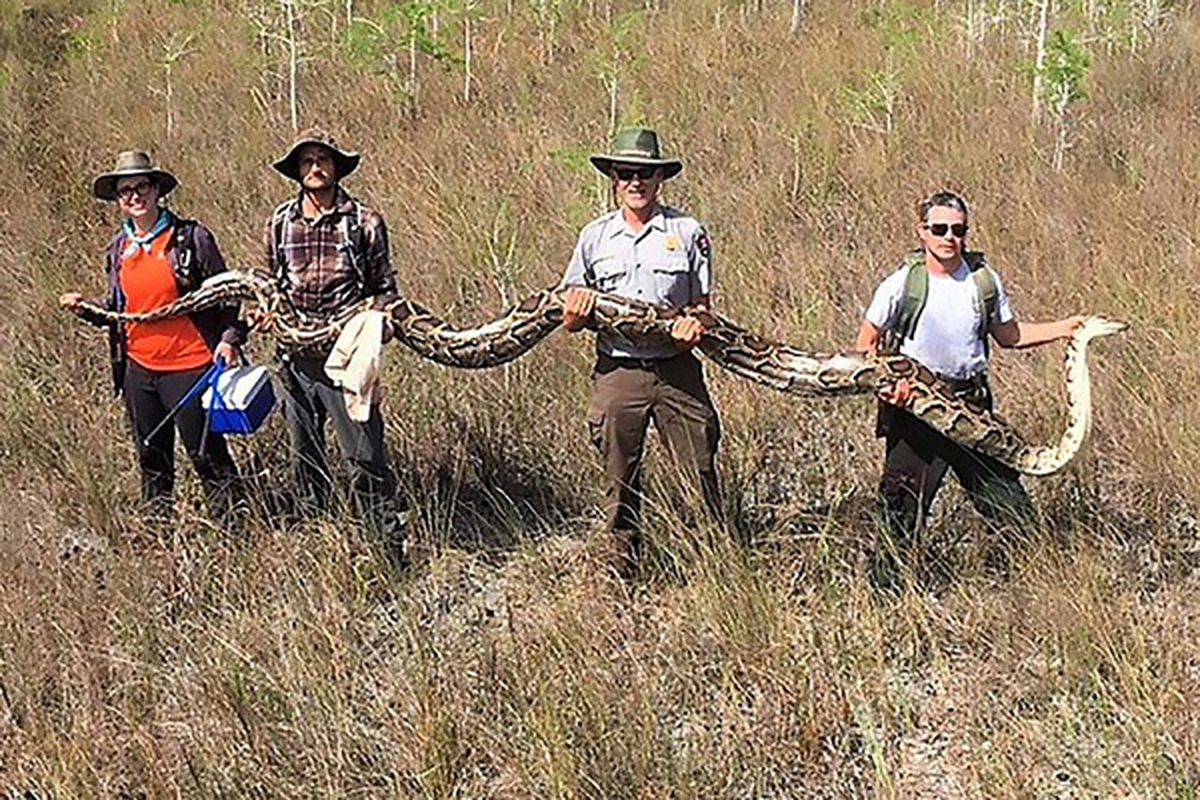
x=770, y=363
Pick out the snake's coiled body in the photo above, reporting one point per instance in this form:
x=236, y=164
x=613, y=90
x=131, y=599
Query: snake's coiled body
x=774, y=364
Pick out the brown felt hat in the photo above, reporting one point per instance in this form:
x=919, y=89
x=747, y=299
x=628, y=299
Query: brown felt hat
x=344, y=161
x=637, y=146
x=129, y=164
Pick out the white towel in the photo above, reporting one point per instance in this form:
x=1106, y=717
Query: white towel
x=354, y=363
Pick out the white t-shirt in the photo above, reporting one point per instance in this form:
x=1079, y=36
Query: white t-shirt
x=946, y=339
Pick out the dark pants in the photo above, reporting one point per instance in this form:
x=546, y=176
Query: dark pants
x=626, y=396
x=149, y=396
x=916, y=462
x=311, y=398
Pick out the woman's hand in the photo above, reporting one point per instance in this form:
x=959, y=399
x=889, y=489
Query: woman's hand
x=71, y=301
x=226, y=354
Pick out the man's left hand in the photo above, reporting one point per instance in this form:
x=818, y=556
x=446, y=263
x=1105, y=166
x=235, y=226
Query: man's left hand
x=686, y=331
x=1072, y=324
x=900, y=394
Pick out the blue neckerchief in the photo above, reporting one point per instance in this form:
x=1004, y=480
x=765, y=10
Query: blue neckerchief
x=165, y=220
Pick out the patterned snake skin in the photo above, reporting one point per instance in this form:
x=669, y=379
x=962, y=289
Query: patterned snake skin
x=770, y=363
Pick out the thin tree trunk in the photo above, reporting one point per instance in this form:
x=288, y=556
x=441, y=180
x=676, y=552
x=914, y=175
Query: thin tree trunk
x=412, y=75
x=467, y=59
x=1039, y=64
x=293, y=64
x=799, y=14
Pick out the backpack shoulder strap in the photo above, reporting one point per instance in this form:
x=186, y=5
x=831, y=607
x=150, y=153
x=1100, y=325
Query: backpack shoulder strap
x=112, y=253
x=354, y=244
x=916, y=292
x=185, y=250
x=987, y=294
x=279, y=220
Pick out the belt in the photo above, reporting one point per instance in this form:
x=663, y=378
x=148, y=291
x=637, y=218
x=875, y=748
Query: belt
x=314, y=352
x=607, y=363
x=973, y=390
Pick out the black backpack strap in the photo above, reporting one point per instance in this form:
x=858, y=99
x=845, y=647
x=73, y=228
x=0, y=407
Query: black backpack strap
x=354, y=244
x=112, y=265
x=279, y=221
x=185, y=253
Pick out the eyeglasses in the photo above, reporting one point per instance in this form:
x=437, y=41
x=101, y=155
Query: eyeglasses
x=629, y=173
x=141, y=188
x=959, y=229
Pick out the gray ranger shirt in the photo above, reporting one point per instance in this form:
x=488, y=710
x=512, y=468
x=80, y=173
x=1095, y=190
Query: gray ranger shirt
x=669, y=262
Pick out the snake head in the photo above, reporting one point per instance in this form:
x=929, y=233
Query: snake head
x=1097, y=325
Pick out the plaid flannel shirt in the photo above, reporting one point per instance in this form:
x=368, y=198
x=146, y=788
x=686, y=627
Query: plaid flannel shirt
x=318, y=269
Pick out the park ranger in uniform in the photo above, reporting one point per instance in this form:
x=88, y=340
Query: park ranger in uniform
x=645, y=251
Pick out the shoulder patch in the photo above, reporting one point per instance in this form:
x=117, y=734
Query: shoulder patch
x=704, y=244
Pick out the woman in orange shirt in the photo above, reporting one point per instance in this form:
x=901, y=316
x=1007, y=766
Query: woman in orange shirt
x=153, y=259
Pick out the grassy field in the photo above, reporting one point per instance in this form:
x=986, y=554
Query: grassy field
x=750, y=662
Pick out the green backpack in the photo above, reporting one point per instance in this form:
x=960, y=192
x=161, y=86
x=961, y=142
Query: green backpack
x=916, y=292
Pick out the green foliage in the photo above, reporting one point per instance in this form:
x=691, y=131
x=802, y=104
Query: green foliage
x=403, y=35
x=1125, y=24
x=904, y=28
x=574, y=158
x=548, y=14
x=871, y=102
x=366, y=43
x=618, y=54
x=10, y=11
x=1065, y=71
x=412, y=19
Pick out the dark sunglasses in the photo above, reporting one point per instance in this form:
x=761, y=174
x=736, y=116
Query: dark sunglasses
x=629, y=173
x=141, y=188
x=959, y=229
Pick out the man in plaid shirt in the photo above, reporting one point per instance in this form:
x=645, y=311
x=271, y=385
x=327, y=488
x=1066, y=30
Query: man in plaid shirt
x=328, y=251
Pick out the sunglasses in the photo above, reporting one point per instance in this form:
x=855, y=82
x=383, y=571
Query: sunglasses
x=629, y=173
x=959, y=229
x=141, y=188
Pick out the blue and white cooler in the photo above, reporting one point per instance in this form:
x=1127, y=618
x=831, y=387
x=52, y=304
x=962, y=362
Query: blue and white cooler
x=239, y=400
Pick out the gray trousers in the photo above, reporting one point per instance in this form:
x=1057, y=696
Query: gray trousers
x=310, y=398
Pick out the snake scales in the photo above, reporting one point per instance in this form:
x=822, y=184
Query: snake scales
x=770, y=363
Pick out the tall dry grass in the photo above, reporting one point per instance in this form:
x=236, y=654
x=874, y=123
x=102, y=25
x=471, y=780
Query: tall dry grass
x=509, y=665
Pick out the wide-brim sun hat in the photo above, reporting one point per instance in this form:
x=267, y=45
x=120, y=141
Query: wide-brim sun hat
x=638, y=147
x=130, y=164
x=344, y=161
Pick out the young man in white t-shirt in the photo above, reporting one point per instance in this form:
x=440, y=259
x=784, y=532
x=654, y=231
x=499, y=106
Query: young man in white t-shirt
x=948, y=338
